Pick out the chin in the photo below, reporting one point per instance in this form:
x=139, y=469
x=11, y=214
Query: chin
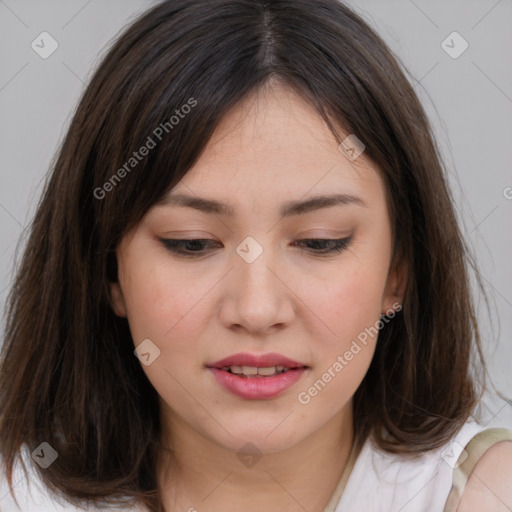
x=258, y=439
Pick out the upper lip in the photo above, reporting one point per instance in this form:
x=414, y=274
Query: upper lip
x=260, y=361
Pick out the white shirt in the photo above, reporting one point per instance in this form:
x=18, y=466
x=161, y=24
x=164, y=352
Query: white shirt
x=379, y=482
x=386, y=482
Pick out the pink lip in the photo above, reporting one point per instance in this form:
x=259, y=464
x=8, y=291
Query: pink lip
x=257, y=388
x=260, y=361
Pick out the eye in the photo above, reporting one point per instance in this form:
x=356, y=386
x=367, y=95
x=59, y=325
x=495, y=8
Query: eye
x=326, y=246
x=191, y=247
x=196, y=247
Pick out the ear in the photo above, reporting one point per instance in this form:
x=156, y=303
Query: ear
x=394, y=291
x=117, y=300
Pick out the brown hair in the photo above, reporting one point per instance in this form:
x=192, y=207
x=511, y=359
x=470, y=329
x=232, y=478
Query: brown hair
x=68, y=373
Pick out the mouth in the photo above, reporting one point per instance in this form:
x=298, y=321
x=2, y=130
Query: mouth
x=254, y=377
x=261, y=372
x=256, y=364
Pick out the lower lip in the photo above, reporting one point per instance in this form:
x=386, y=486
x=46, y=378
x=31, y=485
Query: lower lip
x=257, y=388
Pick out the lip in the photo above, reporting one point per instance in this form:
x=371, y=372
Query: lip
x=261, y=361
x=257, y=388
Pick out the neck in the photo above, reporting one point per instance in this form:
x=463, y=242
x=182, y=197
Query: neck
x=208, y=477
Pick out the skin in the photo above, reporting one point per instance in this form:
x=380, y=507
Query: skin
x=272, y=148
x=488, y=486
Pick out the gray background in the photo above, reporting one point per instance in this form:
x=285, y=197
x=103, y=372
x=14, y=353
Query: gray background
x=468, y=99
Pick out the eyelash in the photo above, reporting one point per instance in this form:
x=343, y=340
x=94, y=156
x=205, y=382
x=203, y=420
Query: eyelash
x=336, y=245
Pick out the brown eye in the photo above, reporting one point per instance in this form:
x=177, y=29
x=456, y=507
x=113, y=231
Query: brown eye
x=195, y=247
x=326, y=246
x=192, y=247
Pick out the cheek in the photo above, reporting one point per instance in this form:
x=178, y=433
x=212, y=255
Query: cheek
x=353, y=300
x=161, y=305
x=350, y=305
x=163, y=309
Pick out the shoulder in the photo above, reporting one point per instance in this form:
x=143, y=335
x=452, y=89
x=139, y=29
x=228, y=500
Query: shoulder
x=428, y=481
x=488, y=486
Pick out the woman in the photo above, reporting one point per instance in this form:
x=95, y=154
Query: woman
x=245, y=287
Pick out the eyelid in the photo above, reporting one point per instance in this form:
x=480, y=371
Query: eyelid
x=329, y=235
x=331, y=246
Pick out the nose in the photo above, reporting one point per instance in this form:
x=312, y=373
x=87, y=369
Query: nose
x=257, y=297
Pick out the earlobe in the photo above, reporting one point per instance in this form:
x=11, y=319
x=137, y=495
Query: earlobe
x=395, y=287
x=117, y=300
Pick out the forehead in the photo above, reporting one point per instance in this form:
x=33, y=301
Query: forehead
x=274, y=145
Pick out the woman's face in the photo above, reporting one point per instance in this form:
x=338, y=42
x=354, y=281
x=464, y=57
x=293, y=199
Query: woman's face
x=256, y=285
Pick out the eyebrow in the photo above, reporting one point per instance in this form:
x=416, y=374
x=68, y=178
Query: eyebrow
x=287, y=209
